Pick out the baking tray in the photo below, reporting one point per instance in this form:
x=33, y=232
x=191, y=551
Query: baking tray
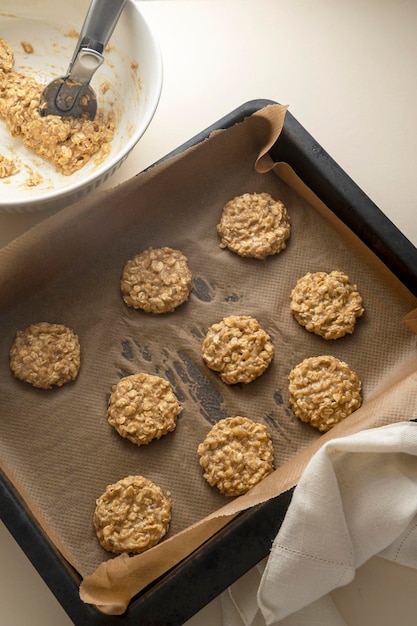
x=184, y=590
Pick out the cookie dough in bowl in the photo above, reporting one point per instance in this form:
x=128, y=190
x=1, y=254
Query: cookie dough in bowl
x=64, y=142
x=128, y=86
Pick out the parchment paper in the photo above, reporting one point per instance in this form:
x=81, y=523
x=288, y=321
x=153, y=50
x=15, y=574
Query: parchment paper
x=57, y=447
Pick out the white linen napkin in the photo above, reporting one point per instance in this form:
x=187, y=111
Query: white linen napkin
x=356, y=498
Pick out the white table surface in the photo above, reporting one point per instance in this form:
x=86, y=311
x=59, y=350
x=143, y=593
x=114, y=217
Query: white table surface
x=347, y=68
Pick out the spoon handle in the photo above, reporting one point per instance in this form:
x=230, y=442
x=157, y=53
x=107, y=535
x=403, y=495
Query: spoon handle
x=98, y=26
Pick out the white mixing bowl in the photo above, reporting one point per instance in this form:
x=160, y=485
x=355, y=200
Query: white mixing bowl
x=132, y=68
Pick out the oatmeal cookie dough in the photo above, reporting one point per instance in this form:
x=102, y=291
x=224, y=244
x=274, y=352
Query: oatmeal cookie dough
x=6, y=56
x=326, y=304
x=45, y=355
x=8, y=167
x=236, y=455
x=66, y=142
x=238, y=348
x=143, y=407
x=254, y=225
x=324, y=391
x=132, y=515
x=157, y=280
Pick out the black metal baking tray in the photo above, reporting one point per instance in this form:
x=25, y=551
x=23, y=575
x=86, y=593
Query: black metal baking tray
x=192, y=584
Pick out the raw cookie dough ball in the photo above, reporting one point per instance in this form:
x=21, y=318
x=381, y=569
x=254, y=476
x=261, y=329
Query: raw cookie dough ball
x=156, y=281
x=143, y=407
x=45, y=355
x=236, y=455
x=326, y=304
x=238, y=348
x=254, y=225
x=132, y=515
x=323, y=391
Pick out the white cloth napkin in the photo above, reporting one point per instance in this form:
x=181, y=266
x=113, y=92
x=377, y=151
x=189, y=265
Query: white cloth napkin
x=356, y=498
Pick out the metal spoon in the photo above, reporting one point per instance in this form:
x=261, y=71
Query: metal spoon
x=71, y=95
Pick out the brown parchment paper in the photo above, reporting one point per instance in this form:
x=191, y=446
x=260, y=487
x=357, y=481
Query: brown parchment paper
x=57, y=447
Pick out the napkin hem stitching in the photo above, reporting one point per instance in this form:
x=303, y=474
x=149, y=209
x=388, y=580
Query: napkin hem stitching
x=404, y=539
x=312, y=556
